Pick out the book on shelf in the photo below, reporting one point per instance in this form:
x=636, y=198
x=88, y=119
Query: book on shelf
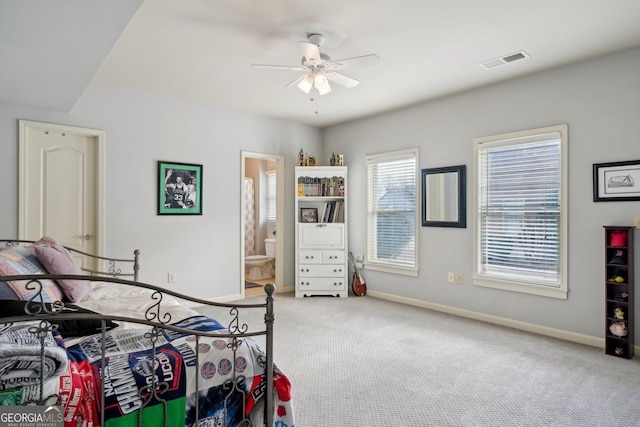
x=326, y=211
x=333, y=211
x=338, y=214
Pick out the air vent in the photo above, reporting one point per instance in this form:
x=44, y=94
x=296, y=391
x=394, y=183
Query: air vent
x=507, y=59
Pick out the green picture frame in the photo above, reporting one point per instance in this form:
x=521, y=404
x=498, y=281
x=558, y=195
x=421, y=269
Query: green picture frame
x=179, y=188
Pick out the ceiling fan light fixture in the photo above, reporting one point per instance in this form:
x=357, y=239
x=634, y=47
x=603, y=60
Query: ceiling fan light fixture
x=322, y=84
x=319, y=69
x=306, y=83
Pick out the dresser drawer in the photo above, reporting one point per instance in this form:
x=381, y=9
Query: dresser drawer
x=310, y=257
x=333, y=257
x=321, y=284
x=321, y=270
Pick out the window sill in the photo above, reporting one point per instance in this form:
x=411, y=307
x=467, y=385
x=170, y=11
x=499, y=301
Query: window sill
x=391, y=269
x=544, y=291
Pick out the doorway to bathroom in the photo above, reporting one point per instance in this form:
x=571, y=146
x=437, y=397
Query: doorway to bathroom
x=262, y=231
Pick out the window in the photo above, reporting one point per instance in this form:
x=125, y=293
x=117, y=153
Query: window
x=391, y=212
x=520, y=198
x=271, y=203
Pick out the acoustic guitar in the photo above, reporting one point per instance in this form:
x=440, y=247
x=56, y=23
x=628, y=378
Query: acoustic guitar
x=358, y=285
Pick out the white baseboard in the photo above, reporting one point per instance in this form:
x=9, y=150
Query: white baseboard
x=235, y=297
x=496, y=320
x=285, y=289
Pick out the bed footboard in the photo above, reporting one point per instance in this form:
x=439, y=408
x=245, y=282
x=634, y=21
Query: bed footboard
x=154, y=366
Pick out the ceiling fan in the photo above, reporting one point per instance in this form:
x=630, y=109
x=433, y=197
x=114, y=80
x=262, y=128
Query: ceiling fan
x=319, y=68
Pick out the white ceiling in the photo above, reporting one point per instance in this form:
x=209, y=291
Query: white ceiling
x=202, y=50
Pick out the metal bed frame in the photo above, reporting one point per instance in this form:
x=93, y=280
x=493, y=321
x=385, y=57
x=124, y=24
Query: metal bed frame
x=157, y=319
x=113, y=265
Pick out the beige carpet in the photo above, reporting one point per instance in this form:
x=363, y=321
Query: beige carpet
x=369, y=362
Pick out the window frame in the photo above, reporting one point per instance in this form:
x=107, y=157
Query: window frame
x=390, y=267
x=524, y=286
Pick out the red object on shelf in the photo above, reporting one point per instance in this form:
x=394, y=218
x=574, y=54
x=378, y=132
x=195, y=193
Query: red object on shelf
x=618, y=238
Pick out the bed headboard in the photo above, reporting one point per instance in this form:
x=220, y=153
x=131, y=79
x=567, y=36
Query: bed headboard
x=109, y=267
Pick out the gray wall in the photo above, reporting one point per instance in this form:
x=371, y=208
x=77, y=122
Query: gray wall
x=203, y=251
x=598, y=99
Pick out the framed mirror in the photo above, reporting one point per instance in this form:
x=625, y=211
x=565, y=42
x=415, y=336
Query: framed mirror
x=444, y=197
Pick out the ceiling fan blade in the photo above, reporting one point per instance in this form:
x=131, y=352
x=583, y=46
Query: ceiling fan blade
x=341, y=79
x=295, y=81
x=355, y=61
x=311, y=52
x=280, y=67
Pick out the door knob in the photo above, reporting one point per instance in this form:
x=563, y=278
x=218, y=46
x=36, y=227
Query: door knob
x=87, y=237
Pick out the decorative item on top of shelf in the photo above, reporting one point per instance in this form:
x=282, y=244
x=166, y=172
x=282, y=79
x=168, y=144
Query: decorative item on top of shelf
x=336, y=159
x=179, y=188
x=616, y=181
x=305, y=159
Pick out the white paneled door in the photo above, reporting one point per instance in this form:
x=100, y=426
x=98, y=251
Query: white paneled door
x=61, y=185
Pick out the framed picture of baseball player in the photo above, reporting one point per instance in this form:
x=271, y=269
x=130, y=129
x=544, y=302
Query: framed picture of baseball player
x=179, y=188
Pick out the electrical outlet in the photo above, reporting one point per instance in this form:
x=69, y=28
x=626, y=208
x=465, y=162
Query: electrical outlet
x=636, y=222
x=451, y=278
x=459, y=278
x=359, y=258
x=171, y=277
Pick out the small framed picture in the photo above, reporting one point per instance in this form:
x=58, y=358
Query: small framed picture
x=617, y=181
x=308, y=215
x=179, y=188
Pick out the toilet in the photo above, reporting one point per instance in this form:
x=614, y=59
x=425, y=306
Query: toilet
x=261, y=267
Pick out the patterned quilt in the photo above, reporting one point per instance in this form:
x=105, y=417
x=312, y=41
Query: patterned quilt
x=147, y=383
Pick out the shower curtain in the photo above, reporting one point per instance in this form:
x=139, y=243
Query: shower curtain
x=249, y=218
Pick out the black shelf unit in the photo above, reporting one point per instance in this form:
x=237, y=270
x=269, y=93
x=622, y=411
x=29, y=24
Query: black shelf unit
x=619, y=298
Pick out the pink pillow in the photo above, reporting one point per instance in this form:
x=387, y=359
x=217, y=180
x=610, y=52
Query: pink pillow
x=57, y=260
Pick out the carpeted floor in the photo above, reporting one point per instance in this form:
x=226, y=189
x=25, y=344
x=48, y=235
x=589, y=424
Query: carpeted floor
x=369, y=362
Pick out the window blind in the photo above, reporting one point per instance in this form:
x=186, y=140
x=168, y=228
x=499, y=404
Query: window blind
x=271, y=203
x=519, y=209
x=391, y=209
